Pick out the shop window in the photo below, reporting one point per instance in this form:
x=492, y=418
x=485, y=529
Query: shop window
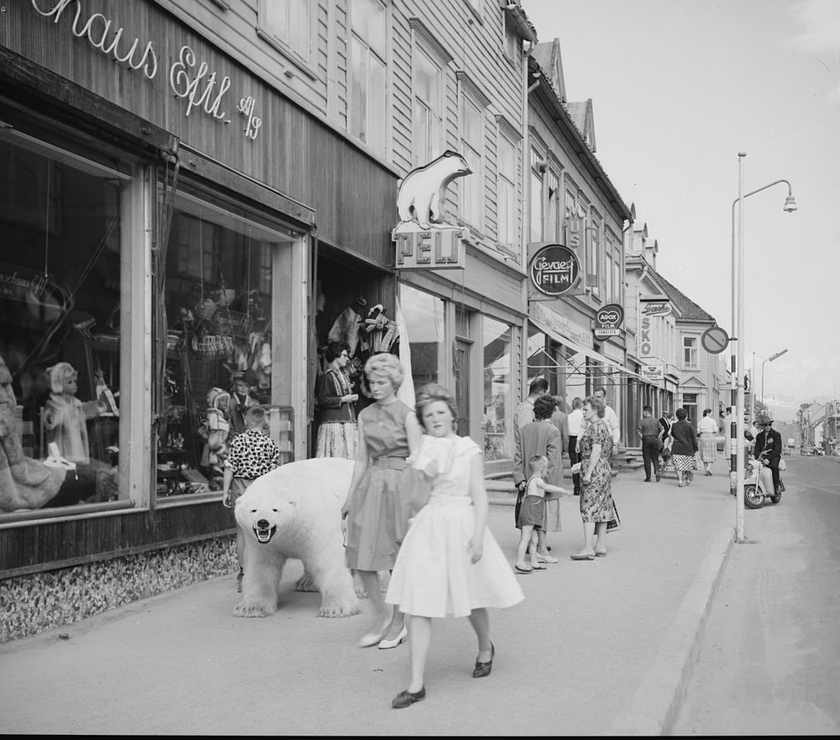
x=498, y=399
x=424, y=321
x=224, y=299
x=63, y=220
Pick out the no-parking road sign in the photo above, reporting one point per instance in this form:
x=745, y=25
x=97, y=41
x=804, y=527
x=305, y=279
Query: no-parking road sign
x=714, y=340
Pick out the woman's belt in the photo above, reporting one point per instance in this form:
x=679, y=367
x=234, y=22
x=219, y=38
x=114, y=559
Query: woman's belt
x=391, y=463
x=445, y=500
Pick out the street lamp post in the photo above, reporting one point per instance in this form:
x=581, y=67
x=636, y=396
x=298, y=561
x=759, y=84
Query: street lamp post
x=769, y=359
x=737, y=359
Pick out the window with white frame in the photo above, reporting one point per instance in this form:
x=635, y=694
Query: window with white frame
x=536, y=199
x=506, y=192
x=593, y=255
x=367, y=75
x=554, y=221
x=427, y=115
x=472, y=143
x=288, y=25
x=617, y=281
x=689, y=351
x=608, y=276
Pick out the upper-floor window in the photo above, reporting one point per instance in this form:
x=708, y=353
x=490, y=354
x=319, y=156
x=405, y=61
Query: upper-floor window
x=473, y=107
x=289, y=23
x=367, y=83
x=593, y=255
x=689, y=351
x=506, y=192
x=614, y=246
x=537, y=197
x=427, y=117
x=554, y=220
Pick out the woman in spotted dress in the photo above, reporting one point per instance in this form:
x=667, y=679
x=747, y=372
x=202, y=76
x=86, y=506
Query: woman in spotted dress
x=597, y=509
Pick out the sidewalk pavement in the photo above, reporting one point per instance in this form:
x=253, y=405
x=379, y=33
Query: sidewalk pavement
x=603, y=647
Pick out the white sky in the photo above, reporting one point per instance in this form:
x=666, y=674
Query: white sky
x=679, y=87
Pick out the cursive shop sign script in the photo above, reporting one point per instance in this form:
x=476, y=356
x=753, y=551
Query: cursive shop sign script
x=190, y=79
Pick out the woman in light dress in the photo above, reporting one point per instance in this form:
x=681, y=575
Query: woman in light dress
x=449, y=561
x=707, y=428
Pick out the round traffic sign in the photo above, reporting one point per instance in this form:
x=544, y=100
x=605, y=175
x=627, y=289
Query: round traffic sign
x=714, y=340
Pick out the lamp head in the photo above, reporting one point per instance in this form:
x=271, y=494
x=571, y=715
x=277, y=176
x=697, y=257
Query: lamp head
x=790, y=205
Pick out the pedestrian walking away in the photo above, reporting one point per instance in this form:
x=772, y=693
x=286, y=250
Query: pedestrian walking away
x=651, y=433
x=449, y=562
x=707, y=429
x=574, y=421
x=684, y=449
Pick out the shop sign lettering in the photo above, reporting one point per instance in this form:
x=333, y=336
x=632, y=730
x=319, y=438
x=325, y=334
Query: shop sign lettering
x=189, y=79
x=435, y=248
x=555, y=270
x=646, y=347
x=656, y=308
x=608, y=320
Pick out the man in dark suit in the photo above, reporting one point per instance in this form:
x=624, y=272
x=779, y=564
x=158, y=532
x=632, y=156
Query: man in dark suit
x=768, y=444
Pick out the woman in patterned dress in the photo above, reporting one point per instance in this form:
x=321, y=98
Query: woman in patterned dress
x=684, y=448
x=377, y=506
x=337, y=435
x=596, y=502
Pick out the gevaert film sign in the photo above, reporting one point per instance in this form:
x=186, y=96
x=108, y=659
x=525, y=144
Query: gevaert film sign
x=555, y=270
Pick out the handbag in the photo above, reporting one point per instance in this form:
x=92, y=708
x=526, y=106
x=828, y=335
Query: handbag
x=614, y=524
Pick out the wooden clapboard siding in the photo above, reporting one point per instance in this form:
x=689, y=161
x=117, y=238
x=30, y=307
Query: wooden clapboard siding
x=295, y=153
x=49, y=543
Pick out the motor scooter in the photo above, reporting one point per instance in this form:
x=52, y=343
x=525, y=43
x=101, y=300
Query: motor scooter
x=758, y=483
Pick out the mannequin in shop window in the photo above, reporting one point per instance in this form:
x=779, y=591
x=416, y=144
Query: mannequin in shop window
x=66, y=417
x=240, y=401
x=26, y=483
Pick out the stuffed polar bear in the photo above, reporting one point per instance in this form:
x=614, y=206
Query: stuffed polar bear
x=295, y=512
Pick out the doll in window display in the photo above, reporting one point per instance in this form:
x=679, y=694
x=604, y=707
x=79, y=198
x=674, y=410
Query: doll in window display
x=215, y=428
x=66, y=417
x=240, y=401
x=27, y=483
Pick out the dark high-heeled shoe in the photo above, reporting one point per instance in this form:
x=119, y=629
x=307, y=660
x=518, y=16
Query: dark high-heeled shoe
x=406, y=698
x=483, y=669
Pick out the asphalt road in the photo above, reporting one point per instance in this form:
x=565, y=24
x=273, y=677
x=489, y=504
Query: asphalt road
x=769, y=661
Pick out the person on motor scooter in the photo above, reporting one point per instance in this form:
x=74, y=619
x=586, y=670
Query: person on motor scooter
x=768, y=446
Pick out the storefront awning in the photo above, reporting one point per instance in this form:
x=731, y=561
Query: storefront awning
x=588, y=351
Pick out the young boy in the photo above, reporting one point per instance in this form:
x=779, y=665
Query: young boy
x=250, y=455
x=532, y=511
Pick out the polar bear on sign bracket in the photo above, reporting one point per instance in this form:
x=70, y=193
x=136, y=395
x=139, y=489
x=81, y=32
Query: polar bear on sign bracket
x=423, y=190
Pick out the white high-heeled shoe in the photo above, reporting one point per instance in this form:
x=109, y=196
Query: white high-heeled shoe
x=388, y=644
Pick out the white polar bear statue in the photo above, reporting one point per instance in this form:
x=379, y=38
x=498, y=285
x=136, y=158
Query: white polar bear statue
x=423, y=190
x=295, y=512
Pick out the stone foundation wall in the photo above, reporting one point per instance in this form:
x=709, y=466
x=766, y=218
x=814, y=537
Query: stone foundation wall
x=43, y=601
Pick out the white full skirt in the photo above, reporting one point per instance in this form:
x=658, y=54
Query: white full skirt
x=433, y=575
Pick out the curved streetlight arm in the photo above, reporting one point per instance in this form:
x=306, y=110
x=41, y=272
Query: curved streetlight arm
x=776, y=182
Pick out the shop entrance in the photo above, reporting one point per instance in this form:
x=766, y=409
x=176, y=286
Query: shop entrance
x=354, y=303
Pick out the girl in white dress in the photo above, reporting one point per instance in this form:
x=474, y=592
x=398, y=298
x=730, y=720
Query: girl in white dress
x=449, y=561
